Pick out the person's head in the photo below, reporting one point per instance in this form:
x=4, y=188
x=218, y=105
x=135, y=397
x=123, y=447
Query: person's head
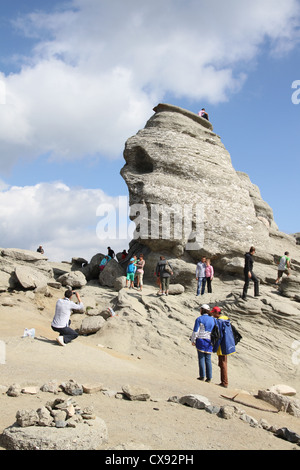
x=286, y=253
x=252, y=250
x=162, y=257
x=203, y=259
x=68, y=293
x=141, y=256
x=207, y=261
x=215, y=312
x=204, y=309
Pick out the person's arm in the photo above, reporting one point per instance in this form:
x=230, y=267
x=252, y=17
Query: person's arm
x=78, y=306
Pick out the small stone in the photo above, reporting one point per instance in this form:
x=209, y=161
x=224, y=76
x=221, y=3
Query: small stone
x=45, y=418
x=92, y=388
x=136, y=393
x=26, y=418
x=226, y=412
x=30, y=390
x=195, y=401
x=73, y=388
x=50, y=387
x=14, y=390
x=283, y=390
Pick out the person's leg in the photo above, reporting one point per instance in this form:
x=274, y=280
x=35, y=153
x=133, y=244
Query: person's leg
x=141, y=281
x=67, y=333
x=201, y=362
x=163, y=284
x=200, y=285
x=208, y=282
x=203, y=285
x=256, y=284
x=208, y=367
x=223, y=369
x=167, y=285
x=246, y=285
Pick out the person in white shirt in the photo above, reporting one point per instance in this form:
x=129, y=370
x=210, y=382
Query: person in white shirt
x=61, y=321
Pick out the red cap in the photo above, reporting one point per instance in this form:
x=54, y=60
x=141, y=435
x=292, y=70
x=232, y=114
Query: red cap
x=216, y=309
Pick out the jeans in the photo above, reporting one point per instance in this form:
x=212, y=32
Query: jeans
x=205, y=367
x=67, y=333
x=201, y=285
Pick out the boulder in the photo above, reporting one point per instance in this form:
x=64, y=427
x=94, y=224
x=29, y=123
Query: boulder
x=91, y=325
x=112, y=271
x=74, y=279
x=30, y=278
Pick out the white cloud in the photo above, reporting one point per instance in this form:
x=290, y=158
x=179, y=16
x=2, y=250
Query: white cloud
x=98, y=68
x=63, y=220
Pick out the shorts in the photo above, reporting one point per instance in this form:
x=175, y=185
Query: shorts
x=280, y=273
x=130, y=277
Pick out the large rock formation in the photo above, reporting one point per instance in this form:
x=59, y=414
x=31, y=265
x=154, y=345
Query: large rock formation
x=187, y=200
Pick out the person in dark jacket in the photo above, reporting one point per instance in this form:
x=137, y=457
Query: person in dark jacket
x=162, y=271
x=249, y=274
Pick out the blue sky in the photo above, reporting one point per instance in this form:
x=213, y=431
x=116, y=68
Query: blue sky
x=77, y=80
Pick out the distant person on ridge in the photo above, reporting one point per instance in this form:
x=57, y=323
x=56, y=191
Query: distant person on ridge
x=110, y=252
x=40, y=250
x=249, y=274
x=203, y=114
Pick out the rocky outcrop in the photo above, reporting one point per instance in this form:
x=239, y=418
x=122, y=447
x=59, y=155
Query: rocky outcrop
x=187, y=200
x=23, y=268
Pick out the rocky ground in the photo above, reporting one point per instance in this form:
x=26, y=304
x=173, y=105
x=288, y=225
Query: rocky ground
x=147, y=345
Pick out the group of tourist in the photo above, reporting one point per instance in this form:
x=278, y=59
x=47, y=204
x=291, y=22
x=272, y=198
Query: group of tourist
x=135, y=269
x=204, y=275
x=223, y=343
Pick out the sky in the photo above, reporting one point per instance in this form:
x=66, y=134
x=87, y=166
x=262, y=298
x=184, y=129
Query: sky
x=79, y=77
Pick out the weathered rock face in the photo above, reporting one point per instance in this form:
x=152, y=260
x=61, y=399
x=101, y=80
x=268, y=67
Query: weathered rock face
x=187, y=199
x=23, y=268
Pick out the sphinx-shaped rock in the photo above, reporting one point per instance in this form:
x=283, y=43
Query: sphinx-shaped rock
x=187, y=199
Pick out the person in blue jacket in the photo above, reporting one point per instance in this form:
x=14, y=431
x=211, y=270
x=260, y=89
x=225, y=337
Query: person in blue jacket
x=201, y=339
x=225, y=345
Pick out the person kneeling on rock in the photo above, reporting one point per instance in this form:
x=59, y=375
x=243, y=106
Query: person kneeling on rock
x=61, y=321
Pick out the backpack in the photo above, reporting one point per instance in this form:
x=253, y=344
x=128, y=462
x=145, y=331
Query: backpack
x=236, y=335
x=215, y=334
x=167, y=268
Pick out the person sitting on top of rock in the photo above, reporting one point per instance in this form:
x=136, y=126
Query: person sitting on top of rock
x=203, y=114
x=104, y=262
